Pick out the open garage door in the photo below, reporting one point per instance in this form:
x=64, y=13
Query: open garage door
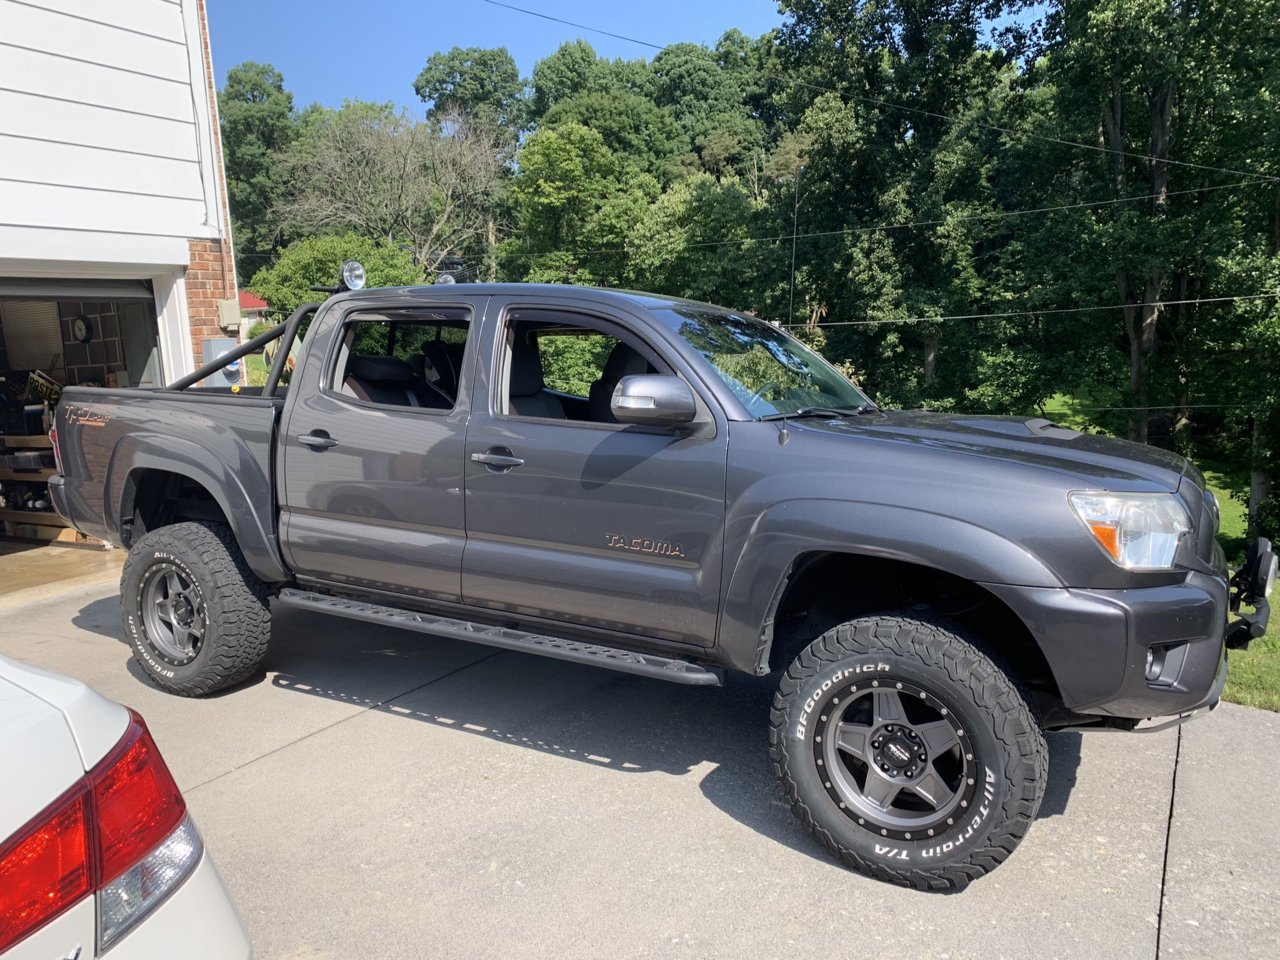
x=56, y=333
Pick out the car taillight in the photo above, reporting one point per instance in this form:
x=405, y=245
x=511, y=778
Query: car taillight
x=136, y=802
x=121, y=832
x=44, y=868
x=53, y=442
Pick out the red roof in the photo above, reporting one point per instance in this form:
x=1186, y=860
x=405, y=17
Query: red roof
x=249, y=302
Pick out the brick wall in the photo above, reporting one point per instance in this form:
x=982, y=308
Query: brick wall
x=211, y=275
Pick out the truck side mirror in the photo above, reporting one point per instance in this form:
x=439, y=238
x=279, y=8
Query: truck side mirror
x=655, y=400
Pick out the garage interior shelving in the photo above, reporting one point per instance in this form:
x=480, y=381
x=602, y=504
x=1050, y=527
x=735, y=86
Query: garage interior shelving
x=43, y=525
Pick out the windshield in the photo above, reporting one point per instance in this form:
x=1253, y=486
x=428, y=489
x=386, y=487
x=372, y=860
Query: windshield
x=769, y=371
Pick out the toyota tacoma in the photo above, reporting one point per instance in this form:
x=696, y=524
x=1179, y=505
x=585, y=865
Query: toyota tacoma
x=678, y=490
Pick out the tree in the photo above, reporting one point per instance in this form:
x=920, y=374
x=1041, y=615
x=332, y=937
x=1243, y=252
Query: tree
x=314, y=261
x=564, y=174
x=367, y=169
x=1161, y=85
x=481, y=84
x=707, y=103
x=574, y=68
x=642, y=135
x=695, y=241
x=258, y=126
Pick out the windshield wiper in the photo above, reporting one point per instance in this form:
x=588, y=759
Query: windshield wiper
x=827, y=412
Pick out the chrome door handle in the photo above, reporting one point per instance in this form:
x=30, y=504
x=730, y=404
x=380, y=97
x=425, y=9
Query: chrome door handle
x=495, y=459
x=317, y=441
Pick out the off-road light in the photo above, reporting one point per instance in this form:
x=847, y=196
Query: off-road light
x=352, y=275
x=1138, y=531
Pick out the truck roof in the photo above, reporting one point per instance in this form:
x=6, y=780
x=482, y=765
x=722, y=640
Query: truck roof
x=451, y=291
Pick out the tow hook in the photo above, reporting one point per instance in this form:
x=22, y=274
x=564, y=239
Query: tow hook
x=1250, y=587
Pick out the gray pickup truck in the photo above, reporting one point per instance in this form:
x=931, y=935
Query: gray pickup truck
x=678, y=490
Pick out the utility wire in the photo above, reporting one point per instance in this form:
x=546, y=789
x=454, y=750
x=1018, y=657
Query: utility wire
x=919, y=111
x=875, y=228
x=1031, y=313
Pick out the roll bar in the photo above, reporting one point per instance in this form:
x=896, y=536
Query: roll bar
x=287, y=332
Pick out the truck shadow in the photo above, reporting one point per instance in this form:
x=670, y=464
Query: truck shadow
x=607, y=720
x=586, y=714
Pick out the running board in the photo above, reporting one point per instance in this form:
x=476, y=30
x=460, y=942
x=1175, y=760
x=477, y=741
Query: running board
x=508, y=638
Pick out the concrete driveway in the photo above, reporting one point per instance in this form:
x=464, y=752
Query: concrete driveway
x=380, y=794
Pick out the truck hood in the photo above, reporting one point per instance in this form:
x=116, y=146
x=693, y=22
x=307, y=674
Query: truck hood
x=1032, y=441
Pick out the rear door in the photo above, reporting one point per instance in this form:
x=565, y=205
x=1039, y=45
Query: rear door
x=598, y=524
x=372, y=450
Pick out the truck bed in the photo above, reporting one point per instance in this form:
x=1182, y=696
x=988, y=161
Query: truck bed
x=108, y=437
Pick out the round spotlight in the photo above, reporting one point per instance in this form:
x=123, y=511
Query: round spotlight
x=352, y=275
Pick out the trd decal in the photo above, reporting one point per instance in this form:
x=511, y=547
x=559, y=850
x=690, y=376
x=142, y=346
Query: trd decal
x=659, y=548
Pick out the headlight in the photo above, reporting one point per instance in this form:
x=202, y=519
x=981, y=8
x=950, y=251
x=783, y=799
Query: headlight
x=1139, y=531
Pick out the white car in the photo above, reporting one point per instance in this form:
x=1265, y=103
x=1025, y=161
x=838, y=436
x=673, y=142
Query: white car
x=97, y=852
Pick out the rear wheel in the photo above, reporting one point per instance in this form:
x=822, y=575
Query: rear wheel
x=907, y=752
x=196, y=616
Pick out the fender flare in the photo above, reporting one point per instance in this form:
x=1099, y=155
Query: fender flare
x=254, y=533
x=790, y=529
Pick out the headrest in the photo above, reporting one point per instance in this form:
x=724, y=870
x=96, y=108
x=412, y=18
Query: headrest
x=380, y=369
x=624, y=362
x=526, y=369
x=437, y=361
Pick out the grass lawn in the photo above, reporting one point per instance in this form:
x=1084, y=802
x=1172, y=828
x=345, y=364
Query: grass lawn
x=1254, y=675
x=255, y=370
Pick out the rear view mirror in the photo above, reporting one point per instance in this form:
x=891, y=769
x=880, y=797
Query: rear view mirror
x=653, y=399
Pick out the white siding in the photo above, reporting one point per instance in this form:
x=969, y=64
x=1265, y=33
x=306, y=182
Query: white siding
x=105, y=127
x=34, y=161
x=80, y=82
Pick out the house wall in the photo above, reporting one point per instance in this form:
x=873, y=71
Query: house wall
x=110, y=161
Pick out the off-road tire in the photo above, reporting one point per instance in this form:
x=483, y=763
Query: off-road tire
x=236, y=615
x=994, y=726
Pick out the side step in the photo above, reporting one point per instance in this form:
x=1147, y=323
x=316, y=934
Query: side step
x=644, y=664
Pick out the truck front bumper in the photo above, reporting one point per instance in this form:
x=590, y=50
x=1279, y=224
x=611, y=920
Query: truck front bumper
x=1132, y=654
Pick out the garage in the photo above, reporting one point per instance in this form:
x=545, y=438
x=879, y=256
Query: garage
x=57, y=333
x=116, y=259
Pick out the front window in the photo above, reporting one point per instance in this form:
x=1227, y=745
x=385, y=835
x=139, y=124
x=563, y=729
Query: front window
x=767, y=370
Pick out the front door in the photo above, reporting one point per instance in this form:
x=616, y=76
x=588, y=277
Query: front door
x=572, y=516
x=372, y=452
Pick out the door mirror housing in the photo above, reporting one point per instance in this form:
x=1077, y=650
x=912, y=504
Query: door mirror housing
x=655, y=400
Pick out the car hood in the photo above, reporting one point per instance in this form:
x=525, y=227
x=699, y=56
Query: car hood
x=1032, y=441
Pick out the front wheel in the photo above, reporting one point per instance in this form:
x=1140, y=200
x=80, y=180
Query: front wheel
x=196, y=616
x=907, y=752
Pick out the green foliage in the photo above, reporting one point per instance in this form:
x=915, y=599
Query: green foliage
x=573, y=69
x=258, y=125
x=314, y=261
x=259, y=327
x=483, y=84
x=572, y=362
x=917, y=150
x=642, y=135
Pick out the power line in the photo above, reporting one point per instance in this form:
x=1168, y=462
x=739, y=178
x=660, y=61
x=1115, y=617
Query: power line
x=919, y=111
x=845, y=231
x=875, y=228
x=1032, y=313
x=1170, y=406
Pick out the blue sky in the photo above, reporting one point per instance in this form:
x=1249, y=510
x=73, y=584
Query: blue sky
x=331, y=50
